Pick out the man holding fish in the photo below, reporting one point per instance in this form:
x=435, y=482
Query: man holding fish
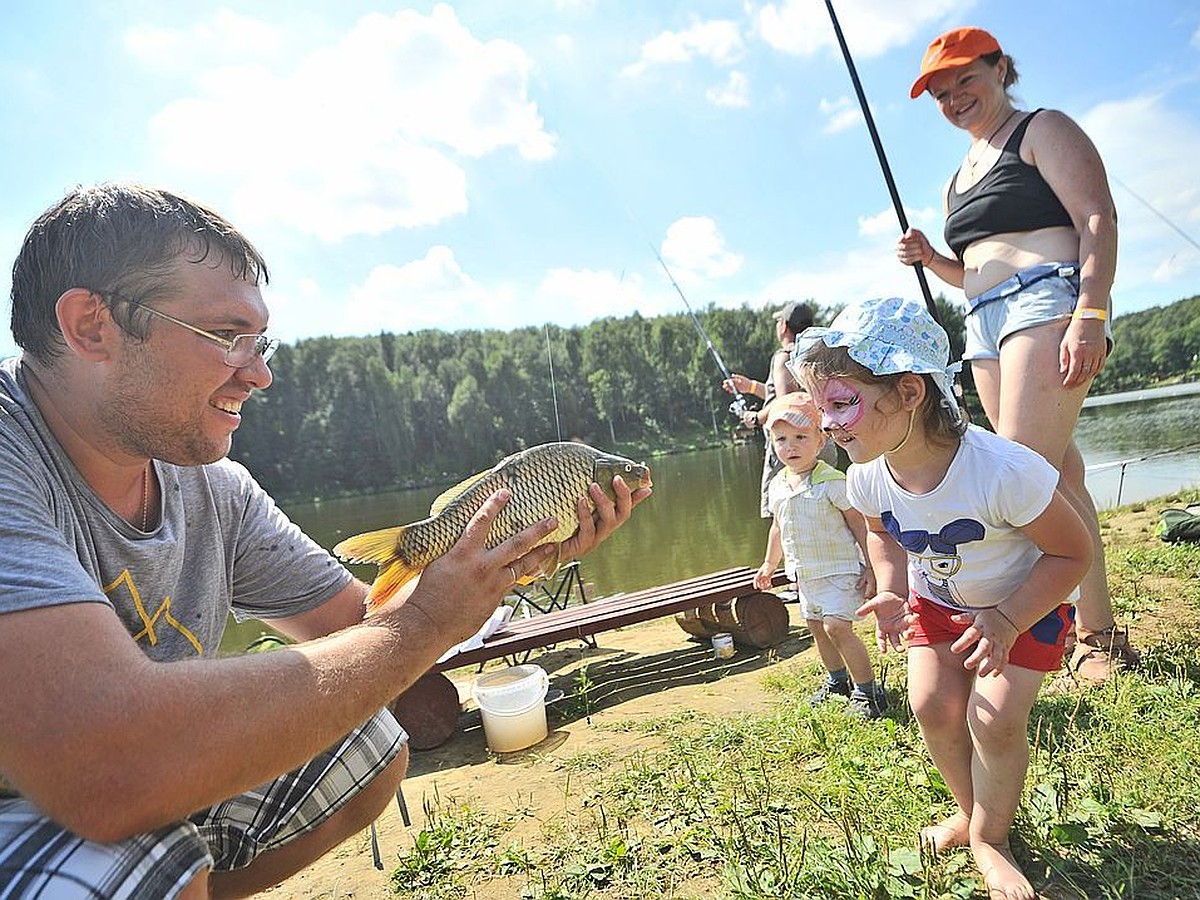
x=134, y=761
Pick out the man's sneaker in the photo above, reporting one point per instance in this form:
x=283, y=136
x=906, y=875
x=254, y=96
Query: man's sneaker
x=828, y=689
x=867, y=704
x=1095, y=657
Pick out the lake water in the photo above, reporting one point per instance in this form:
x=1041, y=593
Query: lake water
x=703, y=515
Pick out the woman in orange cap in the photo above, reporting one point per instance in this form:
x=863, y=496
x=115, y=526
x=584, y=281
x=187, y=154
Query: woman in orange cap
x=1033, y=233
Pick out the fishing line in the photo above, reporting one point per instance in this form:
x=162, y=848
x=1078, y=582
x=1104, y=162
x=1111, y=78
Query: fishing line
x=1146, y=203
x=738, y=407
x=883, y=163
x=553, y=386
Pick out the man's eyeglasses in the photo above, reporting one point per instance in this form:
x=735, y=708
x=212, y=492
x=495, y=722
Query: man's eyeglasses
x=240, y=350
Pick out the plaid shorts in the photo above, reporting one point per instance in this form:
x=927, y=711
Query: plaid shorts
x=41, y=859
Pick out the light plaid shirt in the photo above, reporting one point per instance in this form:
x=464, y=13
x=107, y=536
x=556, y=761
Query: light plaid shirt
x=816, y=541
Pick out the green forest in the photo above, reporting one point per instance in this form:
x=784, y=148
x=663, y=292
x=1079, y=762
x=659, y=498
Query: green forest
x=357, y=415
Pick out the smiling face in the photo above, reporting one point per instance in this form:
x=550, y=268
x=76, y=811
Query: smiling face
x=172, y=397
x=855, y=416
x=971, y=96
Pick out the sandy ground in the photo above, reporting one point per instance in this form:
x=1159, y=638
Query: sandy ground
x=648, y=670
x=643, y=671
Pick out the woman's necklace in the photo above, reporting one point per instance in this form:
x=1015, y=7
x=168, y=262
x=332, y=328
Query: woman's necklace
x=974, y=162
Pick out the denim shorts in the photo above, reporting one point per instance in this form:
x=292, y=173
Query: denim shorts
x=1022, y=302
x=40, y=859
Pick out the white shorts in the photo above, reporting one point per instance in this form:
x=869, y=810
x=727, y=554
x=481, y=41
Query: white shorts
x=831, y=597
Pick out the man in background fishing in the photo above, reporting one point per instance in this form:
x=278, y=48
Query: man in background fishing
x=135, y=760
x=790, y=320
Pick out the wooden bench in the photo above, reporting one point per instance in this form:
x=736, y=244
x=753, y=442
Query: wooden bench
x=429, y=709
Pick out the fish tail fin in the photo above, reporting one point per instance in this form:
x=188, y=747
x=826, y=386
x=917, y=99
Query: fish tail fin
x=379, y=547
x=392, y=576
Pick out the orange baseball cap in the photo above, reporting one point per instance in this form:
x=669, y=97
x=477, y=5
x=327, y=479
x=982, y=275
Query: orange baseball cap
x=959, y=47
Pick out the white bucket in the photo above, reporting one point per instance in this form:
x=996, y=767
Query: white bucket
x=512, y=702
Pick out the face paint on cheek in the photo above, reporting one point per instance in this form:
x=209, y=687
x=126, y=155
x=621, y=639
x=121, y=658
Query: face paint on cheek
x=841, y=405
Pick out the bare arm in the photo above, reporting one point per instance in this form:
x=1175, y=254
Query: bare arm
x=1066, y=554
x=781, y=376
x=915, y=247
x=1068, y=160
x=99, y=721
x=890, y=604
x=771, y=558
x=857, y=524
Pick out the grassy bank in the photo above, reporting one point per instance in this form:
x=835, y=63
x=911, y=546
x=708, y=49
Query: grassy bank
x=800, y=803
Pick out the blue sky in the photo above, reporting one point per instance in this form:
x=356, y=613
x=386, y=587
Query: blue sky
x=490, y=165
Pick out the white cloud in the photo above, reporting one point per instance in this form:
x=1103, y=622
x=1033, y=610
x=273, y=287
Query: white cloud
x=1196, y=38
x=425, y=293
x=717, y=40
x=871, y=27
x=578, y=296
x=695, y=249
x=735, y=92
x=1145, y=145
x=226, y=34
x=360, y=136
x=841, y=114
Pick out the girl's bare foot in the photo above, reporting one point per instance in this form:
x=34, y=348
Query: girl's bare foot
x=947, y=834
x=1001, y=877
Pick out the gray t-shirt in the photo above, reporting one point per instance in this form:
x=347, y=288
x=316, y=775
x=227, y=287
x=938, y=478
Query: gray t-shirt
x=222, y=544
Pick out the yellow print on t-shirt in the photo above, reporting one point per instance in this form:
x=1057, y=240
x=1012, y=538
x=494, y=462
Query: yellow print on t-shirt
x=151, y=621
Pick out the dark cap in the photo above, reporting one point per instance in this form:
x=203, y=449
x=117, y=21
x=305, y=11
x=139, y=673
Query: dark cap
x=797, y=316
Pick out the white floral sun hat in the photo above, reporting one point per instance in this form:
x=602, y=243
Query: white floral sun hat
x=890, y=336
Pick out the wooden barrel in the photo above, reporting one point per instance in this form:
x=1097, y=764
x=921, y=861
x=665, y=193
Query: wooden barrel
x=689, y=620
x=755, y=620
x=428, y=711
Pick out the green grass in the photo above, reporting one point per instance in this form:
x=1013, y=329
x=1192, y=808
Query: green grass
x=804, y=803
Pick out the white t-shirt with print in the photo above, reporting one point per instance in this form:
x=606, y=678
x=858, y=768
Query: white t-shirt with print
x=963, y=538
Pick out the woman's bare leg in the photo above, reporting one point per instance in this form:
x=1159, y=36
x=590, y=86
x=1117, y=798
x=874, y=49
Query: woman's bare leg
x=1023, y=397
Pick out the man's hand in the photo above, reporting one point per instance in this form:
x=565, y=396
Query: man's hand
x=462, y=587
x=594, y=528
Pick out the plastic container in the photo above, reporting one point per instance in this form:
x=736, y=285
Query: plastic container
x=512, y=703
x=723, y=646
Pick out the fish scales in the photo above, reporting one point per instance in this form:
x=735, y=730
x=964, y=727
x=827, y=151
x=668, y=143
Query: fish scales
x=546, y=480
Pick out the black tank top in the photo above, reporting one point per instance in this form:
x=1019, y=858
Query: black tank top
x=1011, y=196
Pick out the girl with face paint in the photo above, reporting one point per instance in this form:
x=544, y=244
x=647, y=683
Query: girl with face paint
x=974, y=550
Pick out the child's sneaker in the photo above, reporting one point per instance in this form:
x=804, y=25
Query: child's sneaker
x=867, y=704
x=829, y=688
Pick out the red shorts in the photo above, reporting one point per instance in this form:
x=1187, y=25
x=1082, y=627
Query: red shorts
x=1040, y=648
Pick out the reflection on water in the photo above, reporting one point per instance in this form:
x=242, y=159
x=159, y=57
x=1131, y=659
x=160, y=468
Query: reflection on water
x=703, y=515
x=1128, y=449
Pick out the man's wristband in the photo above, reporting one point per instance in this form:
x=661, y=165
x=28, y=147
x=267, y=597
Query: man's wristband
x=1086, y=312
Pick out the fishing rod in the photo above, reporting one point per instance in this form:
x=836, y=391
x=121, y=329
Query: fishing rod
x=883, y=163
x=738, y=407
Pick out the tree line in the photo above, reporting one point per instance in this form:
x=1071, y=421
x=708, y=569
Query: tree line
x=356, y=415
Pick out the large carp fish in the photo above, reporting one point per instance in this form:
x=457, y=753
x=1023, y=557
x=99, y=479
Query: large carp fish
x=546, y=480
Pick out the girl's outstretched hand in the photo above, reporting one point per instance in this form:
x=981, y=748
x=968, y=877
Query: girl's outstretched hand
x=893, y=619
x=991, y=636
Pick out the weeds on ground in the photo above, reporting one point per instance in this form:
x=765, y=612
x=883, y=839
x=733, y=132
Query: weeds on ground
x=810, y=803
